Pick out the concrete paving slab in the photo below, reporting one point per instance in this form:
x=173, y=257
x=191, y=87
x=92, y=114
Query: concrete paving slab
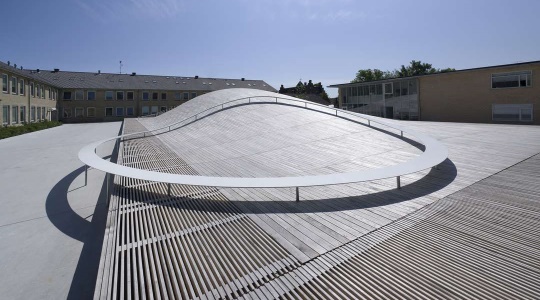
x=51, y=225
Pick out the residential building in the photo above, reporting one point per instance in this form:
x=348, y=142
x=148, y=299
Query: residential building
x=495, y=94
x=97, y=96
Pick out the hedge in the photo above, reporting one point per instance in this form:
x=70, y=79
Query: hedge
x=6, y=132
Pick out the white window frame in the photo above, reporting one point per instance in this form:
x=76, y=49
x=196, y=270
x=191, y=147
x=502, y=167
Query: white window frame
x=5, y=84
x=68, y=110
x=4, y=120
x=142, y=110
x=22, y=114
x=112, y=111
x=520, y=107
x=88, y=112
x=64, y=95
x=81, y=93
x=88, y=95
x=22, y=88
x=79, y=109
x=14, y=85
x=123, y=95
x=14, y=108
x=516, y=73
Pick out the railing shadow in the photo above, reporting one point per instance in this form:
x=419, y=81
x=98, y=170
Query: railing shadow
x=90, y=233
x=432, y=182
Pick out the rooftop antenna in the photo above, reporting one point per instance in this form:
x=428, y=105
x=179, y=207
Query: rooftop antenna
x=121, y=67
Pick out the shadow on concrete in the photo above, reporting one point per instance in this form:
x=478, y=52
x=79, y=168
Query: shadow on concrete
x=90, y=233
x=435, y=180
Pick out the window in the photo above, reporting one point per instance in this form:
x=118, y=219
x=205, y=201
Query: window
x=508, y=80
x=108, y=95
x=130, y=96
x=163, y=96
x=154, y=95
x=120, y=96
x=39, y=113
x=21, y=87
x=38, y=90
x=5, y=115
x=14, y=114
x=177, y=96
x=163, y=109
x=79, y=112
x=145, y=110
x=43, y=113
x=186, y=96
x=42, y=92
x=67, y=96
x=91, y=95
x=4, y=83
x=67, y=112
x=119, y=111
x=32, y=91
x=91, y=112
x=513, y=112
x=129, y=111
x=23, y=114
x=49, y=91
x=108, y=111
x=154, y=110
x=33, y=114
x=193, y=95
x=79, y=95
x=13, y=85
x=146, y=96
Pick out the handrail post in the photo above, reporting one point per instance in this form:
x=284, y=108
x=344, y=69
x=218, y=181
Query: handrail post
x=297, y=195
x=402, y=133
x=276, y=99
x=336, y=112
x=85, y=175
x=368, y=123
x=107, y=179
x=398, y=179
x=305, y=104
x=249, y=100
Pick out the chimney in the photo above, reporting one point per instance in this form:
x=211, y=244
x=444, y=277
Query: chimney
x=15, y=66
x=243, y=79
x=133, y=74
x=196, y=76
x=8, y=63
x=21, y=68
x=56, y=70
x=99, y=71
x=37, y=70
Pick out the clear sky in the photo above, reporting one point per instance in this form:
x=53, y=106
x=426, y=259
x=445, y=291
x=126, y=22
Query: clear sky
x=279, y=41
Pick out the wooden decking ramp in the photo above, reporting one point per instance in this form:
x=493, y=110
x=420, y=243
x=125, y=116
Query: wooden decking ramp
x=465, y=230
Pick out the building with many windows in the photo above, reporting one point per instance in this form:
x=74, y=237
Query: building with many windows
x=505, y=93
x=33, y=95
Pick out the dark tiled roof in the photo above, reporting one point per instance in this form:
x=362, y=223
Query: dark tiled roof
x=87, y=80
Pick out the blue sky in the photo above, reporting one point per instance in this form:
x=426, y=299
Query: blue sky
x=279, y=41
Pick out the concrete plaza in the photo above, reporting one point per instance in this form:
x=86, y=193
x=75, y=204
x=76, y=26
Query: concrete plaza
x=51, y=225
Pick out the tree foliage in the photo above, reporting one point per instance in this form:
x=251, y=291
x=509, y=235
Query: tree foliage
x=415, y=68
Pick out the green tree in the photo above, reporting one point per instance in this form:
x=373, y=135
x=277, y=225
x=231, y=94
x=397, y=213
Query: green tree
x=416, y=68
x=364, y=75
x=300, y=88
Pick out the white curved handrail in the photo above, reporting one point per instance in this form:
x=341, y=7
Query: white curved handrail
x=434, y=154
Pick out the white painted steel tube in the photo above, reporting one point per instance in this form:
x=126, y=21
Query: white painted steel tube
x=434, y=154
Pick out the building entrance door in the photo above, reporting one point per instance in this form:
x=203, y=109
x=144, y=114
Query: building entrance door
x=389, y=112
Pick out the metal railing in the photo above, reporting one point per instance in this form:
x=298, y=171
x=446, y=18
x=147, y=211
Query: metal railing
x=434, y=153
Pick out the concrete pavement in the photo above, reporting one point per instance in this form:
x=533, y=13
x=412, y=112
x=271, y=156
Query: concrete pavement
x=51, y=225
